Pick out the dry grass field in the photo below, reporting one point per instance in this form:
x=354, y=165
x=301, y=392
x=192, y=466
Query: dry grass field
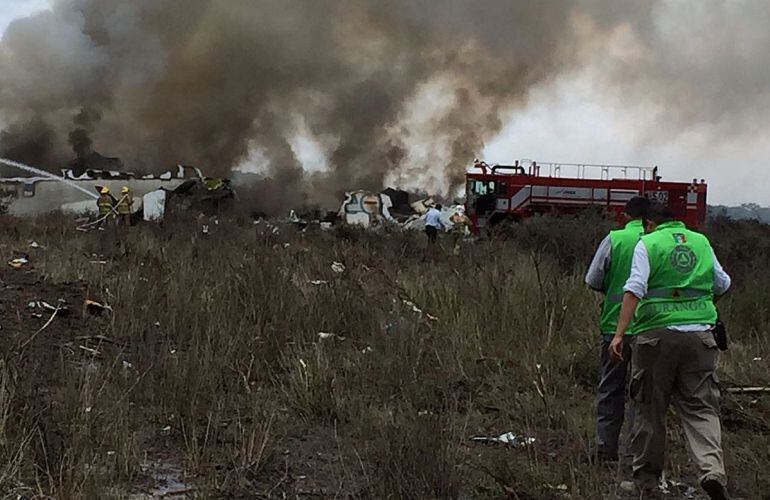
x=246, y=364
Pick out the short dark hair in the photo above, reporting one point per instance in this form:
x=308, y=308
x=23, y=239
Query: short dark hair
x=659, y=213
x=438, y=206
x=637, y=207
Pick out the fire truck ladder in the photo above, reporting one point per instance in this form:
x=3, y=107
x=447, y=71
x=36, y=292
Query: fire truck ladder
x=589, y=170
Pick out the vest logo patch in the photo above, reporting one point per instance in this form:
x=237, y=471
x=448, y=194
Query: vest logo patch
x=683, y=259
x=679, y=238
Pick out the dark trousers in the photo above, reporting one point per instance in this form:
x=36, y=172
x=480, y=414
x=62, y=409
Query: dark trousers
x=432, y=233
x=611, y=400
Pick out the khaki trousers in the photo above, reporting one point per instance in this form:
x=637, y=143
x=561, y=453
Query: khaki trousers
x=675, y=367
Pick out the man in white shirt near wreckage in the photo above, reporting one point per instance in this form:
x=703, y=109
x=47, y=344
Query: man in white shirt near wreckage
x=675, y=280
x=433, y=223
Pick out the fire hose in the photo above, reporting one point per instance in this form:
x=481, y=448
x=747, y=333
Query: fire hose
x=112, y=212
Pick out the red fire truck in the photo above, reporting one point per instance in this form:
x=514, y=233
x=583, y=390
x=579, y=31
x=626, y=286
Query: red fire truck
x=505, y=193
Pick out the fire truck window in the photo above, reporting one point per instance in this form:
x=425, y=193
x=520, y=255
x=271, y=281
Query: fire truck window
x=481, y=188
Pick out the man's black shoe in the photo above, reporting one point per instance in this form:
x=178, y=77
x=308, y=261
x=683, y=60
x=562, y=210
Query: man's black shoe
x=715, y=489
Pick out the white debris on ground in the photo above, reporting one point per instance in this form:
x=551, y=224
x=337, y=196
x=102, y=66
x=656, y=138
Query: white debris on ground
x=508, y=438
x=338, y=267
x=168, y=483
x=411, y=305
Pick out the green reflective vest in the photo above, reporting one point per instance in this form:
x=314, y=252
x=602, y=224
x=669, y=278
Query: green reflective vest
x=622, y=241
x=680, y=289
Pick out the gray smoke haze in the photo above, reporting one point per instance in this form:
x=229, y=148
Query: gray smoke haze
x=392, y=91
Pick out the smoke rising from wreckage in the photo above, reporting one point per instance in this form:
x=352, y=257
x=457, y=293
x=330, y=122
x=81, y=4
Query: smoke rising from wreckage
x=401, y=92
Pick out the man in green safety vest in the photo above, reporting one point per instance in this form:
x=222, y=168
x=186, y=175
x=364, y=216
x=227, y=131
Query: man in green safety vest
x=607, y=274
x=674, y=282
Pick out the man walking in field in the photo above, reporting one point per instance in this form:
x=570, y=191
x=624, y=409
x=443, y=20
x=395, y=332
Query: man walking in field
x=433, y=223
x=674, y=281
x=607, y=274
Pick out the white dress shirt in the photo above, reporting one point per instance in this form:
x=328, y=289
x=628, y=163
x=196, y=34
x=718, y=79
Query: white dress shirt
x=433, y=218
x=599, y=265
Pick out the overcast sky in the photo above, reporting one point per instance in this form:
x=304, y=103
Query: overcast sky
x=568, y=121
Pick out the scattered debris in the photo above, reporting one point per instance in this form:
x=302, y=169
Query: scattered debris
x=419, y=311
x=757, y=359
x=748, y=390
x=127, y=365
x=318, y=282
x=366, y=209
x=326, y=335
x=19, y=262
x=35, y=244
x=685, y=490
x=93, y=352
x=507, y=438
x=95, y=308
x=61, y=306
x=366, y=350
x=561, y=489
x=338, y=267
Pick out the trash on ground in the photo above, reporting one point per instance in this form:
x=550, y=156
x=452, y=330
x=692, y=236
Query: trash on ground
x=748, y=390
x=508, y=438
x=318, y=282
x=366, y=350
x=338, y=267
x=61, y=306
x=419, y=311
x=757, y=359
x=35, y=244
x=18, y=262
x=561, y=488
x=127, y=365
x=686, y=491
x=93, y=352
x=327, y=335
x=95, y=308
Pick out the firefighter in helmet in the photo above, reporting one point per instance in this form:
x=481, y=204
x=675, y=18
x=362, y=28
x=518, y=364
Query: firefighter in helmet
x=460, y=228
x=105, y=203
x=124, y=206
